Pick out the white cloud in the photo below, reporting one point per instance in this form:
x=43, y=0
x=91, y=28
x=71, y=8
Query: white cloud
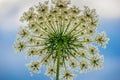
x=105, y=8
x=11, y=10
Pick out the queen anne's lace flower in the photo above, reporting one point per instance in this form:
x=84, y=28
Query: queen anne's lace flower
x=93, y=50
x=74, y=10
x=34, y=66
x=42, y=8
x=32, y=52
x=88, y=39
x=62, y=37
x=67, y=75
x=73, y=63
x=101, y=39
x=83, y=53
x=20, y=46
x=51, y=71
x=23, y=33
x=29, y=15
x=97, y=62
x=84, y=66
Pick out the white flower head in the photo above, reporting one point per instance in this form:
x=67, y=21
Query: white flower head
x=83, y=53
x=89, y=14
x=84, y=66
x=32, y=25
x=51, y=71
x=97, y=62
x=62, y=37
x=34, y=66
x=29, y=15
x=41, y=53
x=91, y=31
x=45, y=61
x=61, y=3
x=73, y=63
x=32, y=52
x=20, y=46
x=42, y=8
x=88, y=39
x=74, y=10
x=102, y=39
x=67, y=75
x=93, y=50
x=23, y=33
x=31, y=40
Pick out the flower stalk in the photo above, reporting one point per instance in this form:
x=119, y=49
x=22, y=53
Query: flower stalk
x=58, y=62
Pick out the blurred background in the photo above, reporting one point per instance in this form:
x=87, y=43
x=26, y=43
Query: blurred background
x=12, y=67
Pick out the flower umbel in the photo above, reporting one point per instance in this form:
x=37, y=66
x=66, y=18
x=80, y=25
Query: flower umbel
x=62, y=38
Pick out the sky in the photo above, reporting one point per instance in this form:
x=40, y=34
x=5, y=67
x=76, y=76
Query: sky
x=12, y=67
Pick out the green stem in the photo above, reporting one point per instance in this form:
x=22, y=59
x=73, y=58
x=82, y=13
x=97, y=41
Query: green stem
x=58, y=63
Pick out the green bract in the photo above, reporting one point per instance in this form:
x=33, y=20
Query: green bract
x=63, y=38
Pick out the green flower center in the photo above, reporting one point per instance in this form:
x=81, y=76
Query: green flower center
x=60, y=39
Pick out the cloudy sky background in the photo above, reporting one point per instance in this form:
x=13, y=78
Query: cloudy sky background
x=12, y=67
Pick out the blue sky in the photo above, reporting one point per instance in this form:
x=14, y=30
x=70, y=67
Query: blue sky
x=12, y=67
